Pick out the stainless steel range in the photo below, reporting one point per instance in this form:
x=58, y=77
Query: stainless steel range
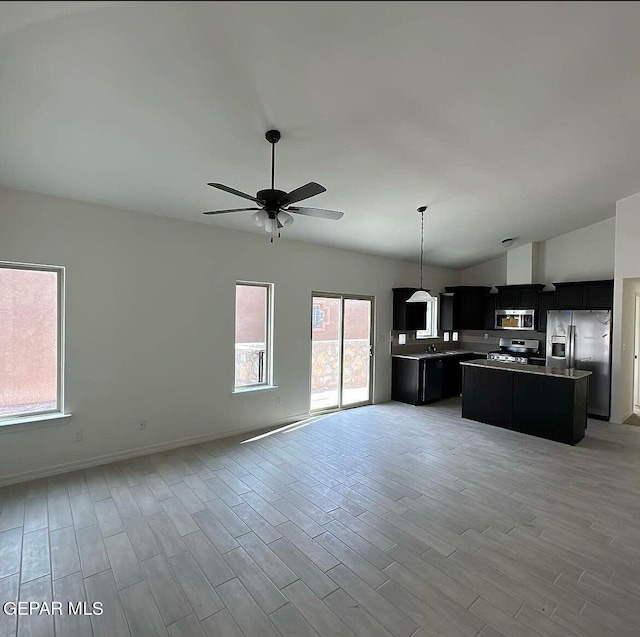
x=515, y=350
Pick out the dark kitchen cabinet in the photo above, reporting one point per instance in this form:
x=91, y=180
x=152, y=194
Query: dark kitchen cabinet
x=432, y=377
x=408, y=316
x=546, y=405
x=507, y=298
x=405, y=380
x=546, y=302
x=584, y=295
x=569, y=296
x=598, y=295
x=532, y=396
x=487, y=395
x=451, y=377
x=462, y=307
x=452, y=373
x=416, y=381
x=518, y=297
x=489, y=305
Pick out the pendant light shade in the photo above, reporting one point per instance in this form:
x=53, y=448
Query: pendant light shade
x=421, y=295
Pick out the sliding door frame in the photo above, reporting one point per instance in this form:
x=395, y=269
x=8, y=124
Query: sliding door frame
x=342, y=298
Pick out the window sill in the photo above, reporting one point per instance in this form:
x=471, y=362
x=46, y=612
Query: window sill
x=253, y=388
x=26, y=423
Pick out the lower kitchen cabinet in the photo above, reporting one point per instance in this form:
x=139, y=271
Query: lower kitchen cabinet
x=418, y=381
x=432, y=379
x=405, y=380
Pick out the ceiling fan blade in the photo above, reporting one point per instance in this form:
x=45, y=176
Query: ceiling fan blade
x=233, y=191
x=304, y=192
x=219, y=212
x=317, y=212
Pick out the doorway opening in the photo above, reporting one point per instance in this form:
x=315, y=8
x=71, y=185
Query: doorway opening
x=341, y=351
x=635, y=418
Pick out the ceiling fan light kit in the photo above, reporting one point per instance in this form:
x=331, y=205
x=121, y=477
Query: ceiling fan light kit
x=275, y=206
x=421, y=295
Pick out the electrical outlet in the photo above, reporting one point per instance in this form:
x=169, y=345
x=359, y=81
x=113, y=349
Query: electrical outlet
x=278, y=400
x=142, y=425
x=77, y=436
x=486, y=337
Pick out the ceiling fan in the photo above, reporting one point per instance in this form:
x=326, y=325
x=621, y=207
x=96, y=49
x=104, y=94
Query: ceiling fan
x=275, y=205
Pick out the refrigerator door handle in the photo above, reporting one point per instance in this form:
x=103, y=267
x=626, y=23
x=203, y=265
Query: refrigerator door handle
x=571, y=338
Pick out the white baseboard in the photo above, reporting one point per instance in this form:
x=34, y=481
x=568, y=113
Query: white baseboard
x=627, y=417
x=141, y=451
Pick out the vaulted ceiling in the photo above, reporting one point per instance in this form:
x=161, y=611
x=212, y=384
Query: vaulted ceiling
x=507, y=119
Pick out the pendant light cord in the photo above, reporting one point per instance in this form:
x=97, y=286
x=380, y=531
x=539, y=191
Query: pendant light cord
x=421, y=245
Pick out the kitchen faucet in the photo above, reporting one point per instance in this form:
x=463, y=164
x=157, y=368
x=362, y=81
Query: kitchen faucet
x=431, y=348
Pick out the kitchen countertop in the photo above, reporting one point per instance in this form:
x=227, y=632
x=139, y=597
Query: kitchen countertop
x=572, y=374
x=451, y=352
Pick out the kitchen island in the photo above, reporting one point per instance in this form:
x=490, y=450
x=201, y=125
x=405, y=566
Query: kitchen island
x=540, y=401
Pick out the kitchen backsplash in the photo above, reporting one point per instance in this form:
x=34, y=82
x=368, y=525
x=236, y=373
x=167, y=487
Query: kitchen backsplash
x=473, y=340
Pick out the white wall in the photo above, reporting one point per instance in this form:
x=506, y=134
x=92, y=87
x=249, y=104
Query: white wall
x=521, y=264
x=627, y=266
x=582, y=255
x=150, y=324
x=492, y=273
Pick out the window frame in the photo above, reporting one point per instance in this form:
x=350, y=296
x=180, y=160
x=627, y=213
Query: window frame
x=267, y=380
x=432, y=329
x=6, y=419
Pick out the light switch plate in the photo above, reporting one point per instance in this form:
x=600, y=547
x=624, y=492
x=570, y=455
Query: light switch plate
x=455, y=336
x=446, y=336
x=402, y=339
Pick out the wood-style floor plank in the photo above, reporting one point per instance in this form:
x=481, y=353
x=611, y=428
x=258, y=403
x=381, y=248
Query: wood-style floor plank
x=383, y=521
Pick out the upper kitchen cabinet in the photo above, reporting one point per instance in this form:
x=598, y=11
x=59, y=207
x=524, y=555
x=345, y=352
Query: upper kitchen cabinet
x=597, y=295
x=569, y=296
x=546, y=302
x=584, y=295
x=462, y=307
x=489, y=304
x=518, y=297
x=408, y=316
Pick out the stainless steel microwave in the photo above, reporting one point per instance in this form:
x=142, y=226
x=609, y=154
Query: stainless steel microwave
x=515, y=319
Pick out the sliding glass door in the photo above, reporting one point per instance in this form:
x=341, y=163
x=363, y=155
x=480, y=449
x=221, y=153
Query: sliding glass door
x=341, y=351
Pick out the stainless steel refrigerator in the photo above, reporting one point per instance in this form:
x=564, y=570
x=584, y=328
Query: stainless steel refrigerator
x=581, y=339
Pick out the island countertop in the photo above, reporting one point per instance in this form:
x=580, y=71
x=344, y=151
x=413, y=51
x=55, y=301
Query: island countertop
x=571, y=374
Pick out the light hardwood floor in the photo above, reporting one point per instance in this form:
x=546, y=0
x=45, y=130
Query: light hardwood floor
x=378, y=521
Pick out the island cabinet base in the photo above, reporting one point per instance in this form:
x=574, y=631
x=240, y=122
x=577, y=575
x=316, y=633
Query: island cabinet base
x=535, y=404
x=487, y=396
x=550, y=407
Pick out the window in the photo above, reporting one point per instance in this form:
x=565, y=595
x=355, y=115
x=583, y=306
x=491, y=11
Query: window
x=431, y=330
x=253, y=334
x=31, y=306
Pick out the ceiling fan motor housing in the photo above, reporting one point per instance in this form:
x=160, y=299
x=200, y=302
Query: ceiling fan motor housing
x=273, y=199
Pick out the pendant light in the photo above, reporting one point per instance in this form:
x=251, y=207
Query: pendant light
x=421, y=295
